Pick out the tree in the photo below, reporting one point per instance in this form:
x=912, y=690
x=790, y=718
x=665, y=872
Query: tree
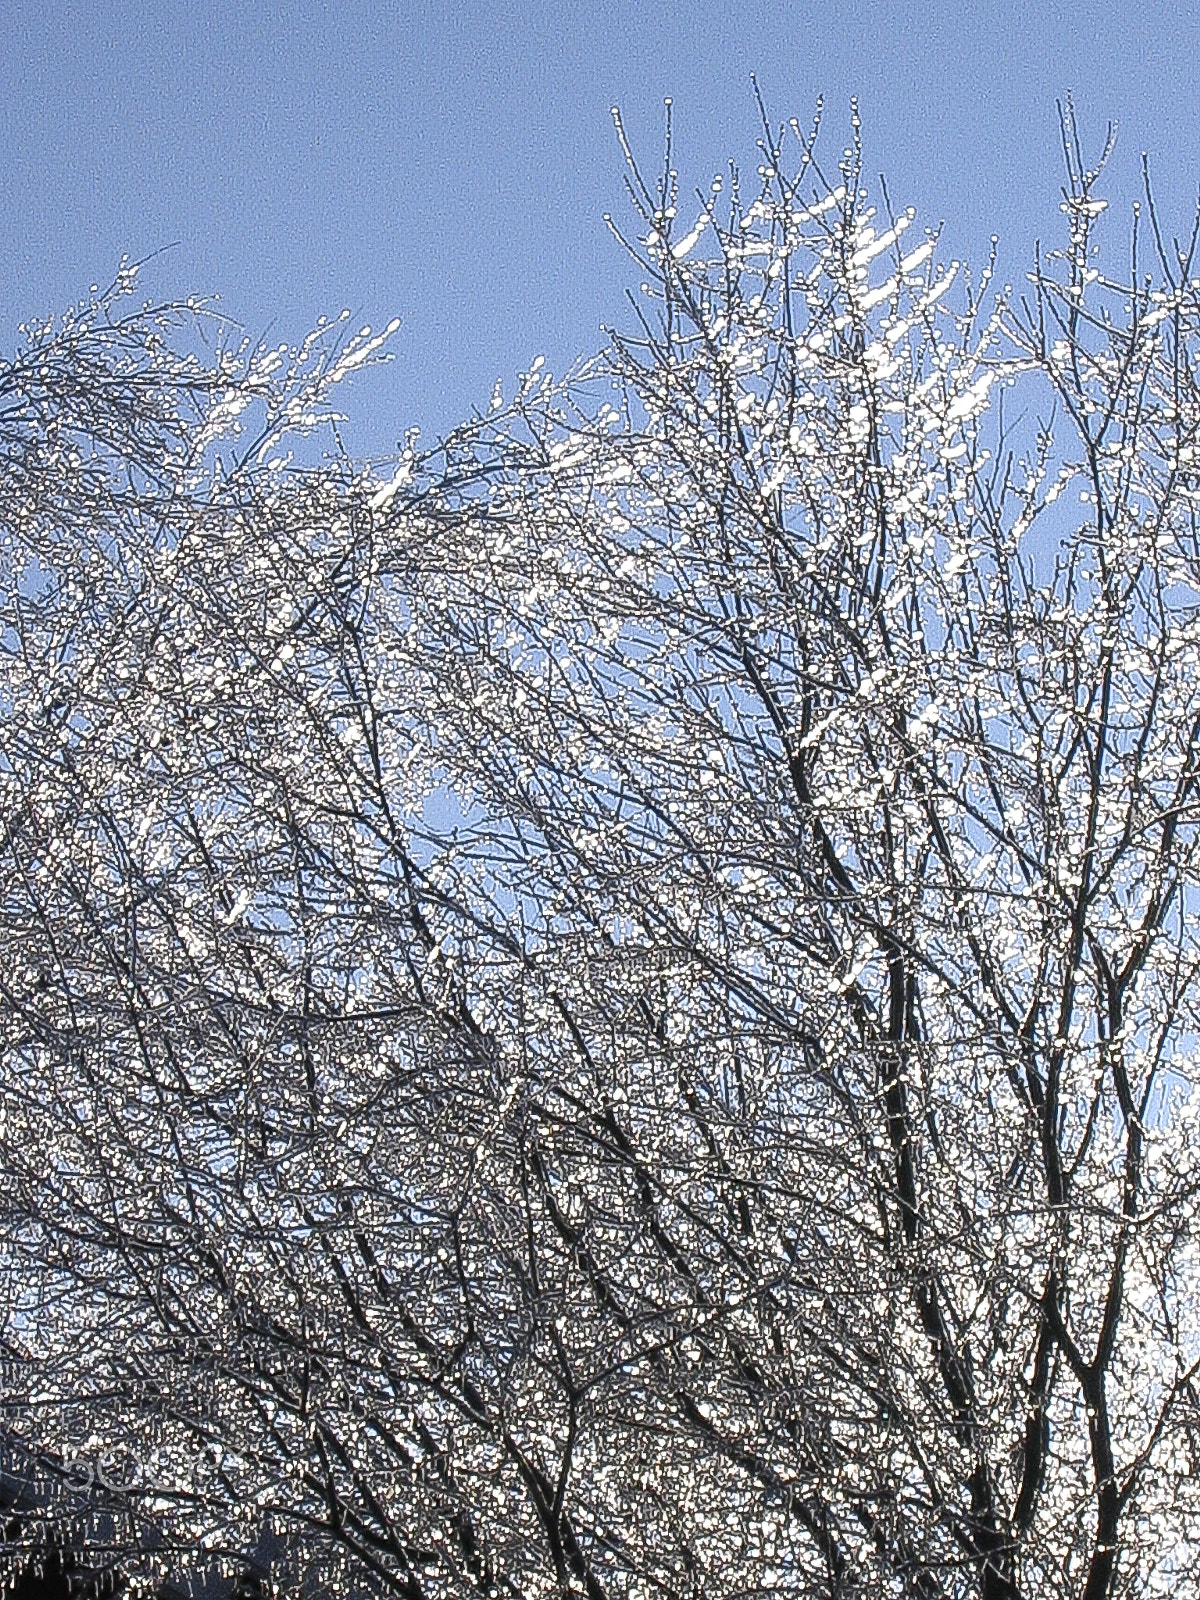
x=615, y=1013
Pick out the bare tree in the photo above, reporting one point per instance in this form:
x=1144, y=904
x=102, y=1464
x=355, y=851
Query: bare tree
x=615, y=1014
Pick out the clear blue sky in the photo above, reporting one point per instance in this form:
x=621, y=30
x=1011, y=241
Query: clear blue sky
x=450, y=164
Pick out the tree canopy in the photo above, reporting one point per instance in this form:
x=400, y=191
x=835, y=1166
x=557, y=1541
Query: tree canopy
x=612, y=1009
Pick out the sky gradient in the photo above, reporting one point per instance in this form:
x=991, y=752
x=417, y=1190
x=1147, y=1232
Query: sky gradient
x=451, y=164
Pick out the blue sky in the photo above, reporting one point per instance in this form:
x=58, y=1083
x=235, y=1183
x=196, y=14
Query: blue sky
x=451, y=164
